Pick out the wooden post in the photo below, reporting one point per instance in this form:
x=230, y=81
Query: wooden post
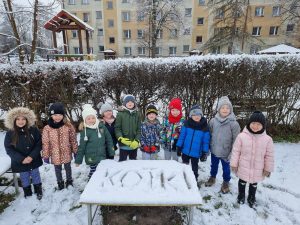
x=87, y=41
x=65, y=41
x=54, y=40
x=80, y=41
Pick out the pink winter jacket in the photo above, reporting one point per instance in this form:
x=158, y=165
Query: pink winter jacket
x=251, y=154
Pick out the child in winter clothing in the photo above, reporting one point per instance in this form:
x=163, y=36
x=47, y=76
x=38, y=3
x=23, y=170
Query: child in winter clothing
x=23, y=145
x=59, y=142
x=150, y=134
x=193, y=142
x=109, y=120
x=252, y=157
x=94, y=140
x=224, y=129
x=171, y=129
x=128, y=128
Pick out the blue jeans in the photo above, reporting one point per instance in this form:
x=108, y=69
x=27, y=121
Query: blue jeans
x=33, y=174
x=214, y=167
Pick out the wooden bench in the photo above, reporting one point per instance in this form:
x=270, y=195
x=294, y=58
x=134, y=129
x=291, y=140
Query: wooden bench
x=5, y=168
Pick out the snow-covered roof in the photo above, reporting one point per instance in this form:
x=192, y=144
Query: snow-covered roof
x=280, y=49
x=4, y=164
x=142, y=183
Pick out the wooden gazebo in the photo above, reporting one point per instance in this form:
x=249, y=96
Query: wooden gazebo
x=64, y=21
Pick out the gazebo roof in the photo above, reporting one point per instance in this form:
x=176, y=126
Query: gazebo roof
x=65, y=20
x=280, y=49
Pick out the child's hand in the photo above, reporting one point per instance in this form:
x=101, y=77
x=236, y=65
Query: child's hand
x=77, y=165
x=234, y=169
x=27, y=160
x=179, y=149
x=46, y=160
x=125, y=141
x=203, y=157
x=266, y=173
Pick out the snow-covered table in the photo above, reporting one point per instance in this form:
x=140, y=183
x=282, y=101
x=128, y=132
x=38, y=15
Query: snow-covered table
x=5, y=167
x=141, y=183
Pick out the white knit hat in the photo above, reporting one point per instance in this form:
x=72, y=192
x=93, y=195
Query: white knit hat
x=224, y=100
x=87, y=111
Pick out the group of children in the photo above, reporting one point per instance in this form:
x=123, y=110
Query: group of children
x=248, y=154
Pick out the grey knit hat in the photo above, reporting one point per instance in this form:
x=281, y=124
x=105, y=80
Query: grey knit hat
x=196, y=111
x=224, y=100
x=105, y=107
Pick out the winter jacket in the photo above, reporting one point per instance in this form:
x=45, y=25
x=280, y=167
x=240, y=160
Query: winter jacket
x=223, y=134
x=194, y=138
x=59, y=144
x=111, y=129
x=94, y=149
x=170, y=133
x=251, y=154
x=150, y=136
x=128, y=125
x=25, y=147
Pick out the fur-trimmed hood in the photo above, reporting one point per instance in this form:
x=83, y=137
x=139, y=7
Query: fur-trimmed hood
x=19, y=111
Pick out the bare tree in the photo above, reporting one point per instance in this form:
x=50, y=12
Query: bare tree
x=290, y=9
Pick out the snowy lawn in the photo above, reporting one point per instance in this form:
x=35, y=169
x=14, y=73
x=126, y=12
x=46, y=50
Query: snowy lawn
x=278, y=197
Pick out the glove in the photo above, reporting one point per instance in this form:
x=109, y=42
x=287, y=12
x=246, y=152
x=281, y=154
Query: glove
x=125, y=141
x=134, y=144
x=266, y=173
x=178, y=149
x=74, y=155
x=110, y=157
x=203, y=157
x=46, y=160
x=234, y=169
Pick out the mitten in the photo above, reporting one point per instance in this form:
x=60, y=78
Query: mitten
x=46, y=160
x=125, y=141
x=134, y=144
x=266, y=173
x=203, y=157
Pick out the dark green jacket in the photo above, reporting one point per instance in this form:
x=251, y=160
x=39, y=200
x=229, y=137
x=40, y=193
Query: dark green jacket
x=128, y=125
x=94, y=149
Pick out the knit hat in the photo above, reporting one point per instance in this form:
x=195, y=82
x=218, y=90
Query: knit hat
x=175, y=104
x=224, y=100
x=259, y=117
x=151, y=109
x=57, y=108
x=16, y=112
x=196, y=111
x=128, y=98
x=88, y=110
x=105, y=107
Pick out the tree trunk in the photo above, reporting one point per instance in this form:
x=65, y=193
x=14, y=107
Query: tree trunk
x=35, y=30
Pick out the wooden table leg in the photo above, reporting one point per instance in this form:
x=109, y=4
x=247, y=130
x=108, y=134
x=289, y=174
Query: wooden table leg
x=16, y=183
x=191, y=215
x=89, y=208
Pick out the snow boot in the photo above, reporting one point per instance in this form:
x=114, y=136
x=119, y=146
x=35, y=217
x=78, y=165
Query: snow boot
x=251, y=196
x=211, y=181
x=27, y=191
x=69, y=183
x=225, y=187
x=38, y=191
x=242, y=188
x=61, y=185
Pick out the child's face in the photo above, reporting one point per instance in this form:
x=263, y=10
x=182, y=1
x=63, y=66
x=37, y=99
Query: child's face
x=256, y=126
x=108, y=114
x=57, y=117
x=196, y=118
x=224, y=111
x=90, y=120
x=151, y=116
x=130, y=105
x=21, y=121
x=175, y=112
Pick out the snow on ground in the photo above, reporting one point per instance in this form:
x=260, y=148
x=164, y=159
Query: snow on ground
x=278, y=197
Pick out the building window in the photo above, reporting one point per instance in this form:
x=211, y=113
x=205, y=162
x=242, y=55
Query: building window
x=125, y=1
x=98, y=14
x=76, y=50
x=254, y=49
x=200, y=21
x=101, y=48
x=259, y=11
x=127, y=50
x=256, y=31
x=187, y=31
x=201, y=2
x=127, y=34
x=86, y=17
x=273, y=30
x=100, y=32
x=216, y=50
x=172, y=51
x=173, y=33
x=126, y=16
x=91, y=50
x=159, y=34
x=188, y=12
x=111, y=40
x=186, y=48
x=158, y=51
x=220, y=13
x=71, y=2
x=276, y=11
x=110, y=23
x=199, y=39
x=140, y=34
x=74, y=33
x=140, y=16
x=290, y=27
x=141, y=50
x=109, y=5
x=85, y=2
x=90, y=33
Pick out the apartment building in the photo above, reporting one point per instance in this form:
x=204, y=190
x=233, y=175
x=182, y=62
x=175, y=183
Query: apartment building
x=119, y=26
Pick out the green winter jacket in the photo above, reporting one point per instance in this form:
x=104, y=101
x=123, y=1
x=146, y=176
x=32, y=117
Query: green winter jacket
x=128, y=125
x=94, y=149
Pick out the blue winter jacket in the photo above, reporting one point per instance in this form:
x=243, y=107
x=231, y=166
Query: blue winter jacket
x=194, y=138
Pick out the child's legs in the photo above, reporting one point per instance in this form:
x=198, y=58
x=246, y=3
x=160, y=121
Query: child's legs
x=146, y=156
x=132, y=154
x=123, y=155
x=174, y=156
x=214, y=165
x=68, y=170
x=185, y=159
x=92, y=170
x=153, y=156
x=195, y=166
x=58, y=174
x=226, y=170
x=35, y=175
x=167, y=154
x=25, y=179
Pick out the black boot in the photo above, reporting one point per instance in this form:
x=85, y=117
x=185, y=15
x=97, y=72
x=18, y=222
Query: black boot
x=61, y=185
x=38, y=190
x=27, y=191
x=251, y=197
x=241, y=196
x=69, y=182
